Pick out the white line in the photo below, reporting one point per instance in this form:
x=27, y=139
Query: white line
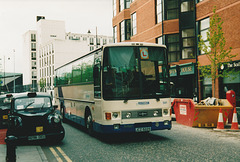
x=55, y=154
x=64, y=155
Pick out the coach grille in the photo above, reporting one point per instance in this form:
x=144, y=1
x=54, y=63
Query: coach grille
x=141, y=114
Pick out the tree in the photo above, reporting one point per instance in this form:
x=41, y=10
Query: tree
x=215, y=51
x=42, y=83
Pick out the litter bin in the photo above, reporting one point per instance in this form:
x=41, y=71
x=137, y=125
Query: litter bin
x=193, y=115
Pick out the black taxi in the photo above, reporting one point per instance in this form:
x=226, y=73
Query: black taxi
x=5, y=103
x=32, y=117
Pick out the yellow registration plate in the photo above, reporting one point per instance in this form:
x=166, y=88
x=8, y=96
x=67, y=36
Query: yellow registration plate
x=5, y=116
x=39, y=129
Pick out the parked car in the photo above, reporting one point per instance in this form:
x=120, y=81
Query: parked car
x=5, y=104
x=33, y=117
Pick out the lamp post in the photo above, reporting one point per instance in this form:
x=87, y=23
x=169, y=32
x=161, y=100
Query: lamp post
x=14, y=70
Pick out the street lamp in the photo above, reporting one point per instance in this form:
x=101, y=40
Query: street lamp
x=13, y=70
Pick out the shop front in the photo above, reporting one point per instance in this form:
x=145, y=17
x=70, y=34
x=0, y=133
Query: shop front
x=183, y=80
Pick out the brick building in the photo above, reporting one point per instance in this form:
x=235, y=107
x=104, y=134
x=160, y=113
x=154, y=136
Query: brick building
x=177, y=24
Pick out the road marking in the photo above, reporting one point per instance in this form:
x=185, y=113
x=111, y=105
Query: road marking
x=63, y=154
x=55, y=154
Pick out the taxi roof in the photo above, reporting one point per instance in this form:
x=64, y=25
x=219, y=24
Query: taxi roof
x=31, y=94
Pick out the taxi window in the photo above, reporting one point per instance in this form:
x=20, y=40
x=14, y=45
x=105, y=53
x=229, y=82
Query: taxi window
x=32, y=103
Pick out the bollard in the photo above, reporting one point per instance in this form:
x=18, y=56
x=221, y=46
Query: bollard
x=11, y=148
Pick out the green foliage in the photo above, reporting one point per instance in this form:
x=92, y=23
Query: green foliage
x=42, y=84
x=215, y=51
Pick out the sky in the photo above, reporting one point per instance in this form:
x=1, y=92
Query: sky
x=19, y=16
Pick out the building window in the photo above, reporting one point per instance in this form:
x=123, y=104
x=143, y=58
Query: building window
x=125, y=32
x=204, y=28
x=33, y=46
x=122, y=26
x=91, y=48
x=104, y=41
x=172, y=9
x=134, y=23
x=188, y=38
x=124, y=4
x=121, y=5
x=158, y=11
x=173, y=47
x=53, y=59
x=33, y=37
x=159, y=40
x=34, y=74
x=187, y=6
x=34, y=63
x=98, y=41
x=33, y=55
x=91, y=41
x=114, y=8
x=115, y=34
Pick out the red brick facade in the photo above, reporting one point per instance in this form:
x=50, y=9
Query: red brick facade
x=148, y=30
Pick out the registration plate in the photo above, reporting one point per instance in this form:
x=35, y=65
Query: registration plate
x=5, y=117
x=143, y=129
x=39, y=129
x=37, y=137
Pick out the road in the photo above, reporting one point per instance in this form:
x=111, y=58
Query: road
x=182, y=143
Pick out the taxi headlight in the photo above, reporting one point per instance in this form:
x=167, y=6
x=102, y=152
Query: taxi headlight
x=165, y=111
x=18, y=122
x=56, y=119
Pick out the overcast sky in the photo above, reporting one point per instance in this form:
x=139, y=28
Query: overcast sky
x=19, y=16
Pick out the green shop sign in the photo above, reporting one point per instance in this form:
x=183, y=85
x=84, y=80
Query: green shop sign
x=187, y=69
x=184, y=69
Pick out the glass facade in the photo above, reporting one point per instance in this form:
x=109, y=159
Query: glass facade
x=188, y=38
x=173, y=47
x=172, y=10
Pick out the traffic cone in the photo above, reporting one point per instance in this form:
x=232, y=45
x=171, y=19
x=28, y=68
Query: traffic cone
x=220, y=124
x=234, y=120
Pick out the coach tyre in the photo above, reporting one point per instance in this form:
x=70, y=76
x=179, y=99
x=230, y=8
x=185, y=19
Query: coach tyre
x=89, y=123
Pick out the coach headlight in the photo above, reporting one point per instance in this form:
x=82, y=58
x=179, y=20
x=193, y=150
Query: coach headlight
x=165, y=111
x=155, y=113
x=115, y=115
x=128, y=115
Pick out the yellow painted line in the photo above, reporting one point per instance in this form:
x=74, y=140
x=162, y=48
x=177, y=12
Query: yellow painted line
x=55, y=154
x=63, y=154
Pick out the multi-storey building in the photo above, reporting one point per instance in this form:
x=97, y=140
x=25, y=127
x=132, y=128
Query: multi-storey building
x=50, y=47
x=30, y=58
x=177, y=24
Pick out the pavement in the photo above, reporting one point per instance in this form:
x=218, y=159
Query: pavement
x=31, y=153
